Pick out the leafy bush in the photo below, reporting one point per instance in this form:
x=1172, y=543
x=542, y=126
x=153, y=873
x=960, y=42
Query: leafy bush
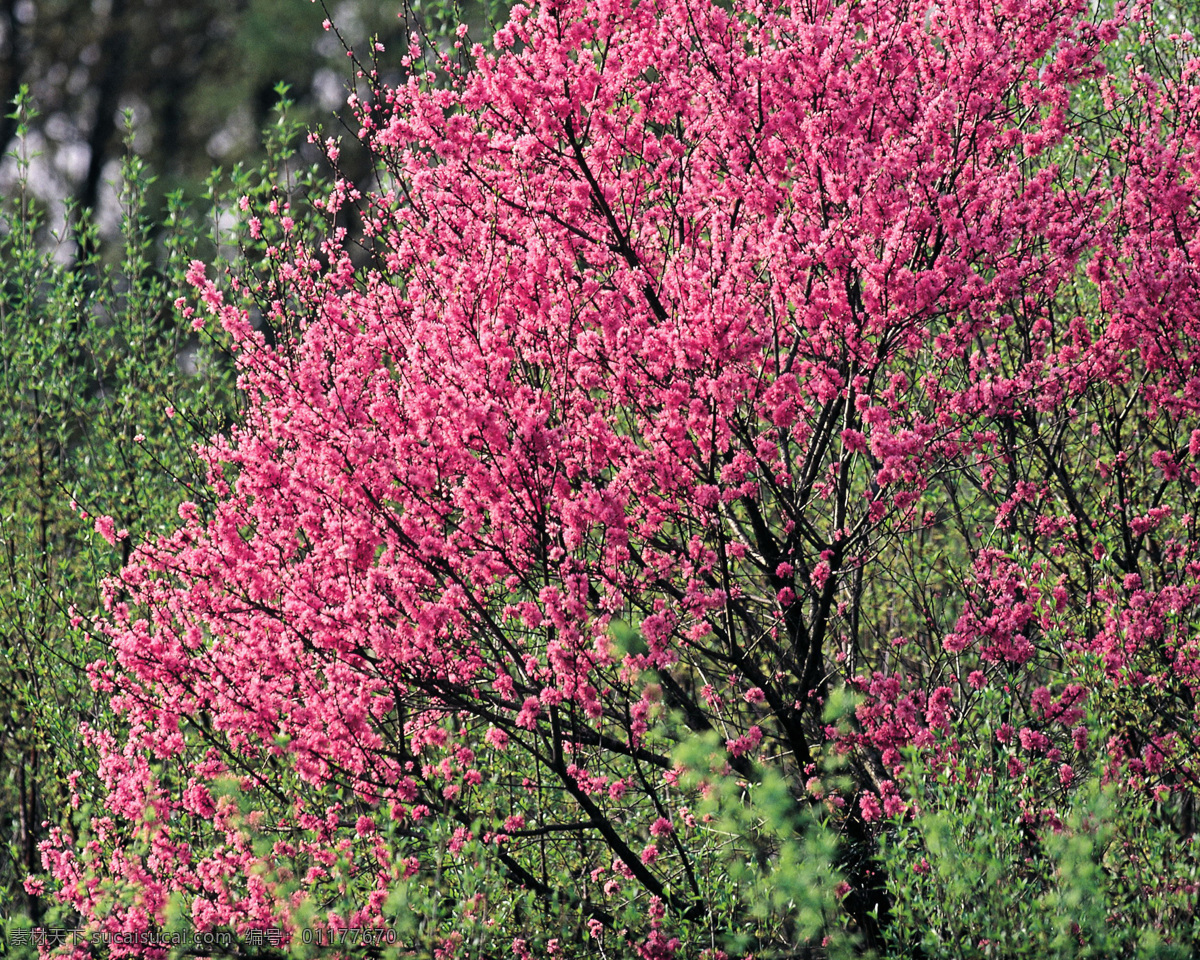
x=1052, y=860
x=105, y=390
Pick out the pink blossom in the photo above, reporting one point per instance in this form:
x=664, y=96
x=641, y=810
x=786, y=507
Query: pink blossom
x=106, y=527
x=1033, y=740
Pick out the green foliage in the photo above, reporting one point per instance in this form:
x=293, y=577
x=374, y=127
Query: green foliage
x=767, y=856
x=991, y=862
x=105, y=387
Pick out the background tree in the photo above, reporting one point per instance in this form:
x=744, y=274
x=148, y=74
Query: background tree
x=549, y=595
x=200, y=79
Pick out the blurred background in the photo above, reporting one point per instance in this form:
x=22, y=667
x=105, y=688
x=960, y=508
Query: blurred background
x=199, y=78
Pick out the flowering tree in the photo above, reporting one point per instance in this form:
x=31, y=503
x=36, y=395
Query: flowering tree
x=710, y=363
